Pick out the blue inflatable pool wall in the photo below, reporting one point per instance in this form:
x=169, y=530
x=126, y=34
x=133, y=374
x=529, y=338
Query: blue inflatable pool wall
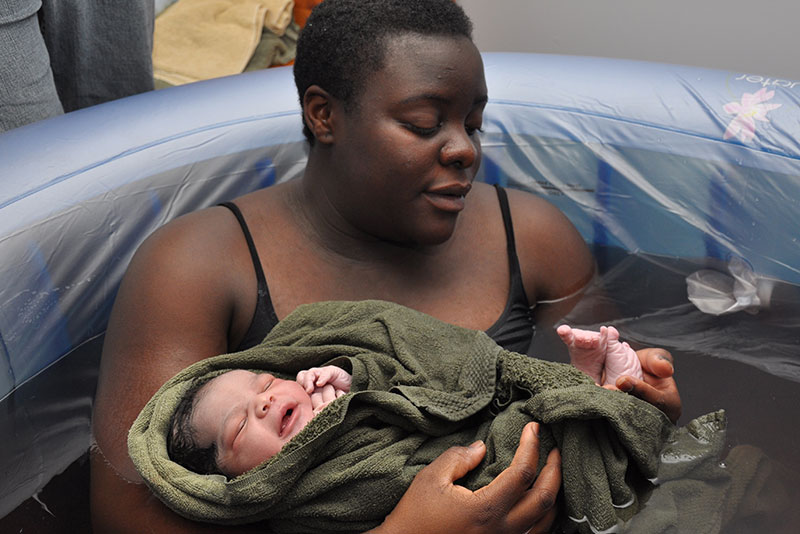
x=657, y=159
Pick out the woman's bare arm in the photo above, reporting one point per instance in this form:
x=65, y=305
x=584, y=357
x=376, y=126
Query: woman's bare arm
x=173, y=308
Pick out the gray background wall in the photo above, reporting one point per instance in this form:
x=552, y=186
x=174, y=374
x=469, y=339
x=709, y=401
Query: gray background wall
x=748, y=36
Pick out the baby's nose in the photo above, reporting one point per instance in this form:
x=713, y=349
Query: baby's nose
x=264, y=403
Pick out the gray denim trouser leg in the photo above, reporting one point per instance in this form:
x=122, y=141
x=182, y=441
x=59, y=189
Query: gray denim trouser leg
x=99, y=50
x=27, y=91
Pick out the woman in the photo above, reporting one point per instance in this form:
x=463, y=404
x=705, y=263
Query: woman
x=392, y=93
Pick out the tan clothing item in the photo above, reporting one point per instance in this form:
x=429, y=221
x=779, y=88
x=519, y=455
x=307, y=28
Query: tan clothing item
x=202, y=39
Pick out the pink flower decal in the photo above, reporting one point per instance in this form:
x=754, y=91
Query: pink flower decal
x=748, y=111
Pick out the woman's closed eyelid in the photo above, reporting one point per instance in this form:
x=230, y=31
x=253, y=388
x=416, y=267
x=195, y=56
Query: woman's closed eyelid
x=421, y=130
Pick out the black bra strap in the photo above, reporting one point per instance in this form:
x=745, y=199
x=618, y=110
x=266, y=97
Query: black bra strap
x=511, y=246
x=264, y=317
x=262, y=281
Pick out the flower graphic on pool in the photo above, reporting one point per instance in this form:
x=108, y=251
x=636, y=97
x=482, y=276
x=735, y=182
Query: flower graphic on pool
x=749, y=110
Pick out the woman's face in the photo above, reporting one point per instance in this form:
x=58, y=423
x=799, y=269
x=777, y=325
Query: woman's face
x=410, y=147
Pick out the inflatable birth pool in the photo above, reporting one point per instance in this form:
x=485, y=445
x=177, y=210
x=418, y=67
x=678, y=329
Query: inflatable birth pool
x=685, y=181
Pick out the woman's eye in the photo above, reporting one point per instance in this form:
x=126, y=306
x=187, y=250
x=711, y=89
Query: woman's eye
x=472, y=130
x=424, y=132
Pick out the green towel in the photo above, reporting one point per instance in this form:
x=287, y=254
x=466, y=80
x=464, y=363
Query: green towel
x=419, y=387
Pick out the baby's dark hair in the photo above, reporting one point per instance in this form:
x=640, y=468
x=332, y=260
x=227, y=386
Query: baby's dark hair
x=182, y=445
x=344, y=41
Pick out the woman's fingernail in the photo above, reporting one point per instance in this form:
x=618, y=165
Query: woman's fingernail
x=535, y=428
x=477, y=445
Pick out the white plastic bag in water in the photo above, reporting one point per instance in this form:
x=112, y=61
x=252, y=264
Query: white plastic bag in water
x=718, y=293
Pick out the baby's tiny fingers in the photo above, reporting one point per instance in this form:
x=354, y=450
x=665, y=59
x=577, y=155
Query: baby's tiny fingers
x=328, y=393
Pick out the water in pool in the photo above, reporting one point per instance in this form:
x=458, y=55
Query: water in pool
x=748, y=364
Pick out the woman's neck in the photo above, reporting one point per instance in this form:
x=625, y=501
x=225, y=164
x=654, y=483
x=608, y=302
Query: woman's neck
x=324, y=223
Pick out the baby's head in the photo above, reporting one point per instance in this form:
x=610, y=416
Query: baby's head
x=236, y=421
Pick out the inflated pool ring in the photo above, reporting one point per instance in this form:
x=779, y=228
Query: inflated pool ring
x=658, y=159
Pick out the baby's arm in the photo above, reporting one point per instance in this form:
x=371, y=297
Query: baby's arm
x=324, y=384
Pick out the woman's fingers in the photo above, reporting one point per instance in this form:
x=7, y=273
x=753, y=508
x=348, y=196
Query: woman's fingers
x=658, y=362
x=658, y=387
x=536, y=509
x=433, y=504
x=454, y=463
x=505, y=490
x=527, y=498
x=517, y=501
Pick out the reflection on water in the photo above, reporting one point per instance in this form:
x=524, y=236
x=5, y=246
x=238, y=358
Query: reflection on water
x=745, y=364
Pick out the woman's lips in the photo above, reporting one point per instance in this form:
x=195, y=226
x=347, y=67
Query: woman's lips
x=450, y=203
x=448, y=198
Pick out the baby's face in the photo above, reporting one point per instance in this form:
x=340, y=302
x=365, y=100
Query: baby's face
x=249, y=416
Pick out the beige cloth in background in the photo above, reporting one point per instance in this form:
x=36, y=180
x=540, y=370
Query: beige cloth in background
x=202, y=39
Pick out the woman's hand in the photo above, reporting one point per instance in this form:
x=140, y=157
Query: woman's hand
x=516, y=502
x=658, y=387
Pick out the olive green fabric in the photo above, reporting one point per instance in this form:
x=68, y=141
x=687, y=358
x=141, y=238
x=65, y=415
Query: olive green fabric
x=419, y=387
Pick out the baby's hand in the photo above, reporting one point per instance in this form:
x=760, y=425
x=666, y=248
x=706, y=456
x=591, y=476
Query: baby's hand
x=317, y=377
x=324, y=384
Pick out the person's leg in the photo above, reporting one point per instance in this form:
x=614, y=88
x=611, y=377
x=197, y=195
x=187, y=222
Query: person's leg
x=27, y=91
x=100, y=51
x=620, y=360
x=586, y=352
x=601, y=355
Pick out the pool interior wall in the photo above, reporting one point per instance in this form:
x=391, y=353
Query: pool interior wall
x=636, y=154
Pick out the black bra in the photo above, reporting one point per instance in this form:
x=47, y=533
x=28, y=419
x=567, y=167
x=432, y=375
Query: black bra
x=513, y=330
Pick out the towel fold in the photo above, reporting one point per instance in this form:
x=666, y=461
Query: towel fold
x=202, y=39
x=419, y=387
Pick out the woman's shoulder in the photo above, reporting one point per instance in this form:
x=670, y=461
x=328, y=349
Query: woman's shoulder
x=200, y=256
x=553, y=256
x=533, y=219
x=205, y=239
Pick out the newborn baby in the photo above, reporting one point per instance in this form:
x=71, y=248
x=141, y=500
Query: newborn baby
x=239, y=419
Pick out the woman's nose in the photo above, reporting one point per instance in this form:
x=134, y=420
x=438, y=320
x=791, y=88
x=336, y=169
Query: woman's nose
x=460, y=150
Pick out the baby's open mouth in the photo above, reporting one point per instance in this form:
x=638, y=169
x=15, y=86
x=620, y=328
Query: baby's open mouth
x=285, y=420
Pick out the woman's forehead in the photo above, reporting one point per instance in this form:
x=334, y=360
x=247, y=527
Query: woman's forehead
x=417, y=61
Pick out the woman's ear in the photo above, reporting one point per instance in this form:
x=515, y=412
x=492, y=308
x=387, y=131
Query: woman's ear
x=317, y=104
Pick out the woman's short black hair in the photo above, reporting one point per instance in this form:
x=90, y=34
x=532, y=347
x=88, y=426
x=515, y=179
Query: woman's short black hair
x=344, y=41
x=181, y=441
